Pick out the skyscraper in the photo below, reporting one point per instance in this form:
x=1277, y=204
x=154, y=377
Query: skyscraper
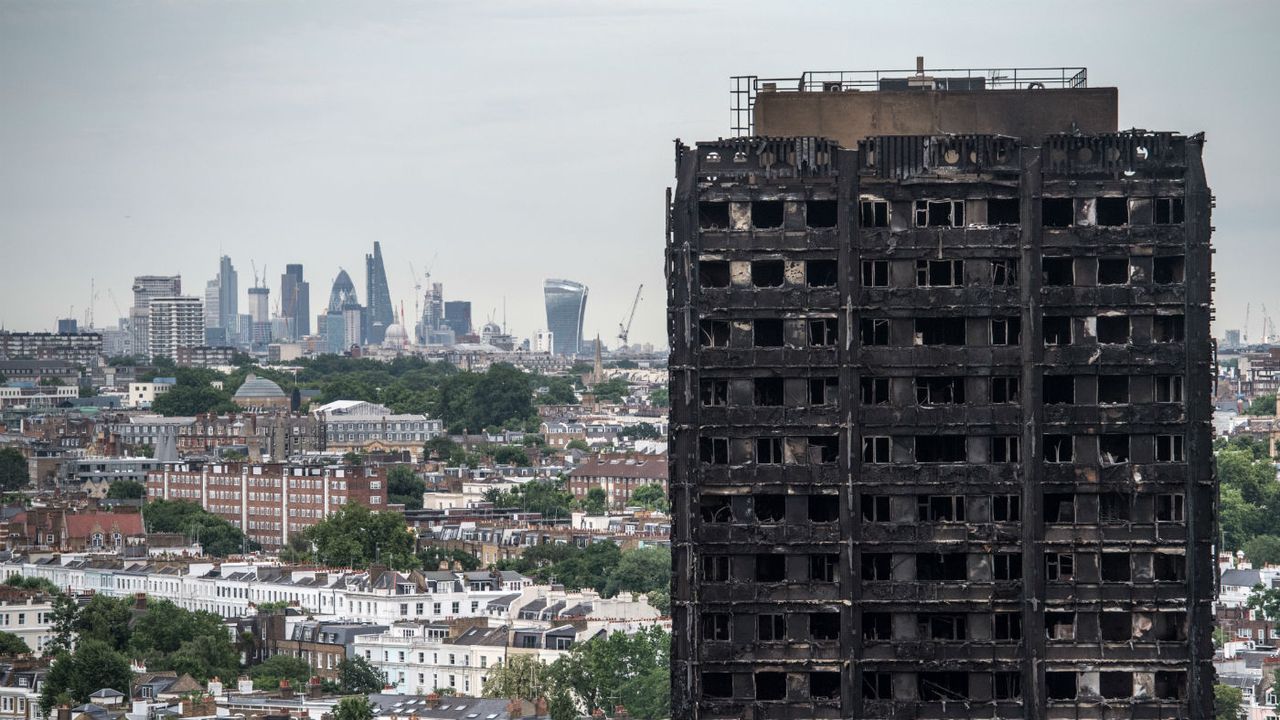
x=344, y=320
x=212, y=304
x=228, y=296
x=566, y=307
x=145, y=289
x=260, y=314
x=457, y=315
x=173, y=323
x=295, y=300
x=941, y=404
x=379, y=314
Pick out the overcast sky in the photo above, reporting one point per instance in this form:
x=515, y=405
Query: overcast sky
x=513, y=141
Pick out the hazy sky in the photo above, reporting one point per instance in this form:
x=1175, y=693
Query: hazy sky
x=513, y=141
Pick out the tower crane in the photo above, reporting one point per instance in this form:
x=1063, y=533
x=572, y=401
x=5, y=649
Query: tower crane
x=624, y=328
x=1244, y=337
x=112, y=295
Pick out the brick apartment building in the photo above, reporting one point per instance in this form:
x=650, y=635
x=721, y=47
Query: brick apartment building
x=618, y=475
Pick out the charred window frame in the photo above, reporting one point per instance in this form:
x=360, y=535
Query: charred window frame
x=1170, y=211
x=1171, y=448
x=875, y=390
x=717, y=627
x=877, y=567
x=875, y=508
x=874, y=213
x=1006, y=508
x=823, y=332
x=824, y=391
x=1004, y=211
x=943, y=627
x=1059, y=448
x=1057, y=329
x=1114, y=508
x=940, y=331
x=875, y=273
x=823, y=567
x=824, y=508
x=824, y=449
x=1111, y=211
x=1058, y=271
x=1168, y=388
x=713, y=273
x=1112, y=329
x=1004, y=273
x=876, y=450
x=713, y=450
x=714, y=393
x=768, y=451
x=1060, y=626
x=874, y=331
x=771, y=627
x=717, y=685
x=824, y=626
x=931, y=449
x=1006, y=331
x=939, y=390
x=769, y=508
x=768, y=333
x=1169, y=567
x=716, y=568
x=1113, y=448
x=943, y=686
x=939, y=213
x=1060, y=685
x=1171, y=507
x=1057, y=212
x=1113, y=271
x=940, y=508
x=1058, y=389
x=768, y=273
x=771, y=568
x=1006, y=685
x=1059, y=566
x=877, y=626
x=1169, y=269
x=1005, y=390
x=942, y=567
x=939, y=273
x=1115, y=567
x=715, y=508
x=767, y=214
x=1059, y=508
x=1006, y=626
x=877, y=685
x=770, y=685
x=821, y=273
x=714, y=333
x=1006, y=449
x=1169, y=328
x=1006, y=567
x=768, y=392
x=1113, y=389
x=713, y=215
x=821, y=214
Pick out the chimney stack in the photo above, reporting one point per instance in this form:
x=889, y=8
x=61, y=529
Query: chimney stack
x=919, y=64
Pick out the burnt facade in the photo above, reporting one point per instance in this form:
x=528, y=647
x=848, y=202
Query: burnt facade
x=940, y=428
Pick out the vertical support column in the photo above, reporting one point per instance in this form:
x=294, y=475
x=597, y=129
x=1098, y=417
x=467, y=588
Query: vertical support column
x=848, y=264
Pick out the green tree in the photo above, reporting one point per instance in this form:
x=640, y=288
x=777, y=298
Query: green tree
x=1266, y=603
x=193, y=400
x=660, y=600
x=1262, y=405
x=523, y=677
x=11, y=644
x=32, y=583
x=356, y=675
x=596, y=502
x=440, y=447
x=612, y=390
x=1226, y=702
x=651, y=497
x=660, y=397
x=63, y=624
x=355, y=534
x=431, y=557
x=1263, y=550
x=578, y=444
x=219, y=537
x=642, y=431
x=106, y=620
x=510, y=455
x=204, y=657
x=569, y=565
x=641, y=570
x=633, y=669
x=164, y=627
x=73, y=677
x=354, y=707
x=558, y=391
x=404, y=486
x=268, y=674
x=14, y=474
x=126, y=490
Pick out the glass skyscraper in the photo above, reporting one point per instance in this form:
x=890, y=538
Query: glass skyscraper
x=379, y=314
x=566, y=306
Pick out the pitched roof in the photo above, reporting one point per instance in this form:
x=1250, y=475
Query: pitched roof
x=645, y=467
x=1241, y=578
x=84, y=524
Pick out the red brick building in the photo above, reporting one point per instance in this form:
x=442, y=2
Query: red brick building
x=618, y=475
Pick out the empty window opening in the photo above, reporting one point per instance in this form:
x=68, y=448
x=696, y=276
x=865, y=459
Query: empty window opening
x=713, y=215
x=1169, y=448
x=766, y=214
x=714, y=450
x=940, y=331
x=941, y=448
x=768, y=391
x=875, y=391
x=1058, y=212
x=939, y=390
x=1059, y=508
x=1113, y=329
x=939, y=213
x=771, y=568
x=875, y=508
x=941, y=567
x=715, y=568
x=1114, y=507
x=1170, y=626
x=1004, y=273
x=944, y=686
x=1171, y=685
x=1006, y=508
x=1059, y=389
x=1006, y=566
x=1058, y=271
x=1170, y=211
x=875, y=273
x=717, y=685
x=771, y=686
x=1115, y=626
x=877, y=686
x=876, y=566
x=821, y=273
x=824, y=626
x=1058, y=448
x=767, y=273
x=877, y=626
x=768, y=451
x=1115, y=684
x=715, y=333
x=822, y=567
x=823, y=332
x=940, y=508
x=875, y=450
x=1006, y=449
x=939, y=273
x=1003, y=211
x=1006, y=331
x=875, y=213
x=767, y=333
x=1060, y=685
x=824, y=685
x=769, y=507
x=821, y=213
x=1114, y=567
x=943, y=626
x=1169, y=388
x=824, y=449
x=824, y=508
x=824, y=391
x=713, y=274
x=1059, y=566
x=1112, y=211
x=1007, y=626
x=1169, y=328
x=1169, y=270
x=1113, y=389
x=874, y=331
x=714, y=393
x=1057, y=330
x=716, y=626
x=1006, y=685
x=1005, y=390
x=716, y=508
x=1167, y=567
x=771, y=627
x=1113, y=448
x=1060, y=625
x=1113, y=271
x=1169, y=508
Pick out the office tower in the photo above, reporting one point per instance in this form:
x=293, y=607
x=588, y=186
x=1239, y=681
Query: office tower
x=213, y=304
x=457, y=315
x=145, y=289
x=260, y=314
x=295, y=300
x=379, y=314
x=343, y=309
x=68, y=326
x=566, y=306
x=343, y=292
x=228, y=296
x=174, y=322
x=940, y=426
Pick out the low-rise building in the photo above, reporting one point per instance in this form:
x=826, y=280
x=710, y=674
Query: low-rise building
x=618, y=475
x=356, y=425
x=143, y=394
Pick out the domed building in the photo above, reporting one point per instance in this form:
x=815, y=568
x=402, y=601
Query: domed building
x=396, y=337
x=260, y=394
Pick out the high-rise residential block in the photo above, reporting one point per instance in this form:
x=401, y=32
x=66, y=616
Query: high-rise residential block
x=566, y=308
x=146, y=288
x=173, y=323
x=941, y=404
x=228, y=296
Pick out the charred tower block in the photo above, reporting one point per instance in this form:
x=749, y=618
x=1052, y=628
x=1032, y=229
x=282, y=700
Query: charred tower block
x=940, y=427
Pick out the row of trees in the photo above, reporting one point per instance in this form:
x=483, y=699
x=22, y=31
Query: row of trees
x=1250, y=499
x=219, y=537
x=602, y=566
x=355, y=675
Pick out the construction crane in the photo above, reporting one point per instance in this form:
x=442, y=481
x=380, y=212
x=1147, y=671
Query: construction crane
x=1268, y=326
x=624, y=328
x=93, y=298
x=112, y=295
x=1244, y=337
